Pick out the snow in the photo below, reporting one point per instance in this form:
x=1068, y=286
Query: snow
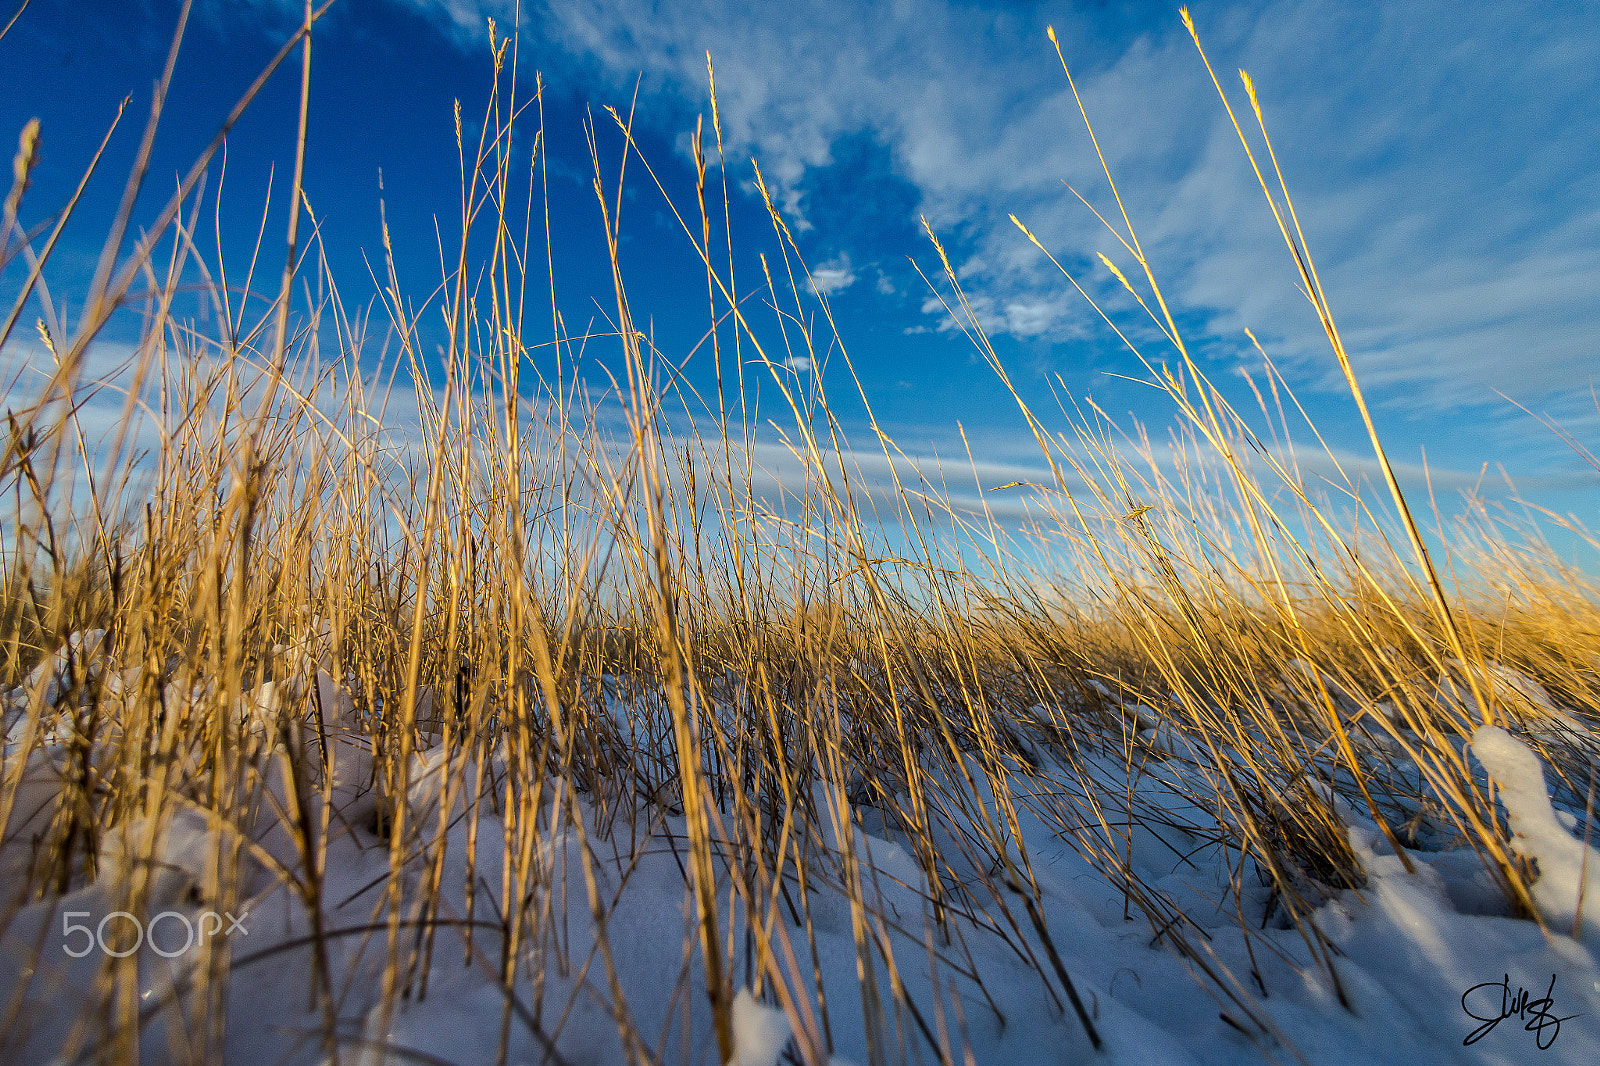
x=1415, y=961
x=1568, y=870
x=759, y=1032
x=1528, y=702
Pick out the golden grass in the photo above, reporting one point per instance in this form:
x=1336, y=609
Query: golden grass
x=613, y=608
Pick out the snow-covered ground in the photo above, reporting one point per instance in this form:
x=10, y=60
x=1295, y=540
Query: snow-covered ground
x=1427, y=966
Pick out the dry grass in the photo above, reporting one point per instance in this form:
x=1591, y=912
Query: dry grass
x=602, y=624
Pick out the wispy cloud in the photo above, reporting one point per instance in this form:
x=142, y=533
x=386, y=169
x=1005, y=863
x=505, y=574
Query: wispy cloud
x=1438, y=154
x=832, y=276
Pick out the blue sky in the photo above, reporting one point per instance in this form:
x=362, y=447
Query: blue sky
x=1442, y=156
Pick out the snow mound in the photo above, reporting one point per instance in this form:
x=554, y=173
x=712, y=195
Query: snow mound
x=759, y=1032
x=1568, y=869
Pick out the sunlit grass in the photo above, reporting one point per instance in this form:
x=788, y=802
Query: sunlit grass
x=571, y=610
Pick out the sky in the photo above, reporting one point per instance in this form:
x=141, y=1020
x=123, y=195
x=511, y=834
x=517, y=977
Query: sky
x=1441, y=156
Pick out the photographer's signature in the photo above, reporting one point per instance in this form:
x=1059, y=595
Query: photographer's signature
x=1537, y=1015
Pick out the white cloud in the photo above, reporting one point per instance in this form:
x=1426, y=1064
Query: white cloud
x=1438, y=153
x=1008, y=479
x=832, y=276
x=1029, y=319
